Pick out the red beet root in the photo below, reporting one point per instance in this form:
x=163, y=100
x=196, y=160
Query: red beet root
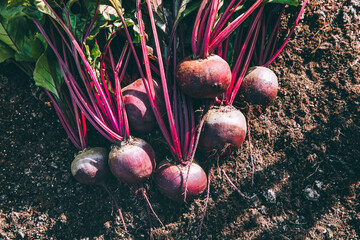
x=224, y=127
x=259, y=86
x=170, y=179
x=139, y=112
x=204, y=78
x=90, y=166
x=133, y=161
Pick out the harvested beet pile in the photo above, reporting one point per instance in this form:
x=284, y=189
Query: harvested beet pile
x=304, y=148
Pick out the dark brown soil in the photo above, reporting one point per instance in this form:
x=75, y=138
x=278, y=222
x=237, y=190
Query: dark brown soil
x=306, y=149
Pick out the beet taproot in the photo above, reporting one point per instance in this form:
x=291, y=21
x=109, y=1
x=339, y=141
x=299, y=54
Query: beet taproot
x=204, y=78
x=90, y=166
x=170, y=180
x=259, y=86
x=140, y=115
x=224, y=127
x=132, y=161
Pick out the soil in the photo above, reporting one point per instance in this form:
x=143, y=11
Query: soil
x=306, y=154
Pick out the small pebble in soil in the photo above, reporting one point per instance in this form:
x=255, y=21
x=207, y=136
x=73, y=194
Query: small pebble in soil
x=63, y=218
x=52, y=164
x=254, y=199
x=270, y=196
x=27, y=171
x=263, y=209
x=21, y=234
x=311, y=194
x=318, y=184
x=107, y=225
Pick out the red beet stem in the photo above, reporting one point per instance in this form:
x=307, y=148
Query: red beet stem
x=232, y=26
x=225, y=17
x=289, y=35
x=194, y=38
x=248, y=58
x=272, y=38
x=148, y=83
x=210, y=22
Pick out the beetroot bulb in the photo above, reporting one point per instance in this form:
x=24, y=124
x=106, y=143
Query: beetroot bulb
x=204, y=78
x=224, y=127
x=90, y=166
x=259, y=86
x=170, y=180
x=138, y=108
x=132, y=161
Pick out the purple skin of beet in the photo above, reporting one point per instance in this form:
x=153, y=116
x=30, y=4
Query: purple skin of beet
x=224, y=127
x=260, y=86
x=90, y=166
x=204, y=78
x=138, y=108
x=132, y=162
x=170, y=180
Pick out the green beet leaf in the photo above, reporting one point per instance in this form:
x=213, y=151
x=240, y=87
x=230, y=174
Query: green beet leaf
x=18, y=32
x=31, y=50
x=5, y=52
x=47, y=74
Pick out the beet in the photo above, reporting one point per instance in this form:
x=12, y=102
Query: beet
x=224, y=127
x=204, y=78
x=138, y=108
x=260, y=86
x=170, y=179
x=133, y=161
x=90, y=166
